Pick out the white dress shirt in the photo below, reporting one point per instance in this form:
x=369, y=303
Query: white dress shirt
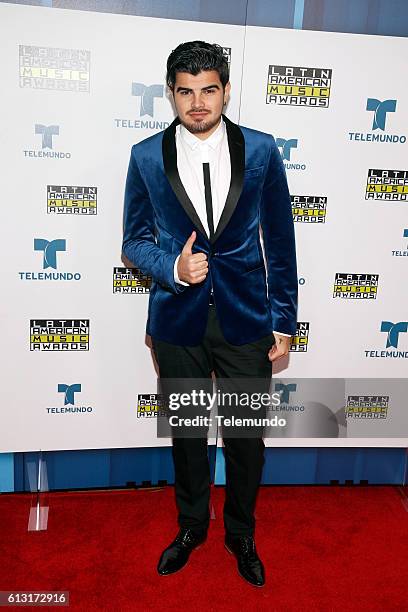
x=192, y=153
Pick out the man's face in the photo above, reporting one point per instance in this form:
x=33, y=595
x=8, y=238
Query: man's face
x=199, y=101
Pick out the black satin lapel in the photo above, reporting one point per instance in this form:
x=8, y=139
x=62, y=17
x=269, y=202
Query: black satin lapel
x=169, y=152
x=236, y=144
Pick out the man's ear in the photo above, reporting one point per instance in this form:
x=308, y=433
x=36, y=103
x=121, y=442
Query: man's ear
x=227, y=90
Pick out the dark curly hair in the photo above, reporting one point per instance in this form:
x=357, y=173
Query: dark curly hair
x=195, y=56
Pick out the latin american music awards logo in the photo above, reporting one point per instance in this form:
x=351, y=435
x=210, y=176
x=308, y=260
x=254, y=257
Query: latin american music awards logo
x=59, y=335
x=130, y=280
x=404, y=252
x=49, y=250
x=355, y=286
x=72, y=200
x=309, y=209
x=71, y=406
x=395, y=338
x=298, y=86
x=47, y=136
x=150, y=405
x=300, y=341
x=381, y=110
x=391, y=185
x=367, y=406
x=286, y=148
x=54, y=68
x=227, y=52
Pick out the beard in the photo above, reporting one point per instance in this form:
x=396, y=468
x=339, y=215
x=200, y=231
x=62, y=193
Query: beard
x=200, y=127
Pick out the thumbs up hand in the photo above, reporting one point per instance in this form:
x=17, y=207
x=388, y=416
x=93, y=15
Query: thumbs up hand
x=192, y=267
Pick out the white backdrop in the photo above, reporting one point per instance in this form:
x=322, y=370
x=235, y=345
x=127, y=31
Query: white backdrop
x=87, y=119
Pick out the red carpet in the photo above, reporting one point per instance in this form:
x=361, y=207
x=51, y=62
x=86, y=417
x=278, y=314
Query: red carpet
x=324, y=548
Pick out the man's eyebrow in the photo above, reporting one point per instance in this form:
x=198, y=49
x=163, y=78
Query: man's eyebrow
x=215, y=86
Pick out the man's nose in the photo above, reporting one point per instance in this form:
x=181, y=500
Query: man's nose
x=197, y=101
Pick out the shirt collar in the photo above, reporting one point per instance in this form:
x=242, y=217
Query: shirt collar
x=212, y=141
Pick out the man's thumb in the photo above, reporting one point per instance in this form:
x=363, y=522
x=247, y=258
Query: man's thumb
x=189, y=243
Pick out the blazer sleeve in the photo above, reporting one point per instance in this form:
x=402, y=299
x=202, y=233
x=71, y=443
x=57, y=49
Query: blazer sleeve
x=139, y=244
x=279, y=242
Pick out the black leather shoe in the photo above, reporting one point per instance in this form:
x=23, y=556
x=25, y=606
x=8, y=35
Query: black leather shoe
x=176, y=555
x=249, y=564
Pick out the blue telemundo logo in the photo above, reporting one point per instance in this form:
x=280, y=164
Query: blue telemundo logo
x=393, y=340
x=285, y=391
x=400, y=252
x=69, y=407
x=49, y=250
x=69, y=392
x=286, y=146
x=393, y=331
x=286, y=404
x=148, y=94
x=47, y=134
x=381, y=110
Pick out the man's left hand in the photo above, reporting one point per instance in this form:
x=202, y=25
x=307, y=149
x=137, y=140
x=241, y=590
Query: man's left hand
x=280, y=348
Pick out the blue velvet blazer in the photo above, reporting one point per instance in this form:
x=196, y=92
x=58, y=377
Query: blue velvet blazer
x=159, y=217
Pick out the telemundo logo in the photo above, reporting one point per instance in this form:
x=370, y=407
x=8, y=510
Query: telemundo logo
x=49, y=250
x=393, y=331
x=285, y=404
x=47, y=133
x=286, y=146
x=69, y=407
x=69, y=392
x=285, y=391
x=380, y=110
x=147, y=94
x=400, y=252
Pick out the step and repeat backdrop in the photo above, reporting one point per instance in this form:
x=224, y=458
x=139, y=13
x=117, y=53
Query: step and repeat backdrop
x=78, y=90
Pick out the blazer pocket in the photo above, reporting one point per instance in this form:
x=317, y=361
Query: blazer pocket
x=258, y=267
x=253, y=172
x=253, y=257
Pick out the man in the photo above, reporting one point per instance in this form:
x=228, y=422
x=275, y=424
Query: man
x=196, y=195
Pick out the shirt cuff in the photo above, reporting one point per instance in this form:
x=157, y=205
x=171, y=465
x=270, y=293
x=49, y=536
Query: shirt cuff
x=176, y=278
x=281, y=334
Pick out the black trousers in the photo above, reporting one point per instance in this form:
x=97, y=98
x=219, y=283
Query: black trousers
x=244, y=457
